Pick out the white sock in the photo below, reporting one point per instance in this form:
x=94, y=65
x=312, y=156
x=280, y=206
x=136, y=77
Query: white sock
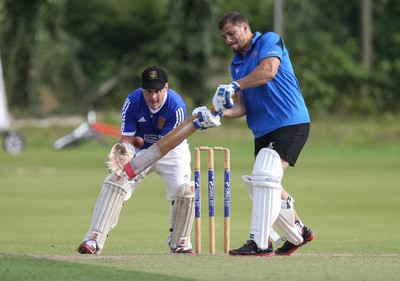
x=299, y=225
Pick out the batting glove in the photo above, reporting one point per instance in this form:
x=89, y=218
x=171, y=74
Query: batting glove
x=222, y=99
x=205, y=118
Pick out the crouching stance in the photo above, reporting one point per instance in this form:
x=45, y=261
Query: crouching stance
x=149, y=112
x=117, y=189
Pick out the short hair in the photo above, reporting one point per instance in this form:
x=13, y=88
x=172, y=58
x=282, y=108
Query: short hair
x=235, y=18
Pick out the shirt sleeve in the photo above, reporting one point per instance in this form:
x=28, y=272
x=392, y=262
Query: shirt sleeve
x=271, y=45
x=128, y=123
x=176, y=117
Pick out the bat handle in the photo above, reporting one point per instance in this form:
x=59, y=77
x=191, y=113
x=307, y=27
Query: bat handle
x=212, y=109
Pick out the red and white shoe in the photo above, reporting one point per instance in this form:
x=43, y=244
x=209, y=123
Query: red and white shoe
x=288, y=248
x=181, y=250
x=88, y=247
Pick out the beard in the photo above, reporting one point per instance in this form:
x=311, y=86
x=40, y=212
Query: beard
x=235, y=48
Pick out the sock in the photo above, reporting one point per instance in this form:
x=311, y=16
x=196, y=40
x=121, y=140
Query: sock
x=299, y=225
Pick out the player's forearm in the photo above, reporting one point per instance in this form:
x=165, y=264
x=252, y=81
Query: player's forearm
x=237, y=111
x=261, y=75
x=126, y=139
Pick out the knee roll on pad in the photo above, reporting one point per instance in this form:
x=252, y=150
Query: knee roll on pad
x=107, y=209
x=185, y=190
x=267, y=171
x=268, y=168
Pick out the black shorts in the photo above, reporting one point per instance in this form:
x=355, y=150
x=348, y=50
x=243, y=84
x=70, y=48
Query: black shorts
x=287, y=141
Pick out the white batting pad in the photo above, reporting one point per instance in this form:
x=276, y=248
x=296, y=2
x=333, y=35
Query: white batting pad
x=182, y=216
x=107, y=208
x=273, y=235
x=286, y=223
x=248, y=183
x=264, y=213
x=266, y=192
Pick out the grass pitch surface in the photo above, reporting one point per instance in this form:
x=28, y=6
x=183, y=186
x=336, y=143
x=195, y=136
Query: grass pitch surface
x=346, y=187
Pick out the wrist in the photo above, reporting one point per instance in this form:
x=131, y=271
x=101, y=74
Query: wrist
x=235, y=85
x=129, y=170
x=196, y=123
x=220, y=113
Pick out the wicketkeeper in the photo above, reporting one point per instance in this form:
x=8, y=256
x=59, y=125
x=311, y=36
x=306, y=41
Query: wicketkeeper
x=150, y=112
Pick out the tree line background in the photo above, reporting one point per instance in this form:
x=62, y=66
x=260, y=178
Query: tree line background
x=61, y=56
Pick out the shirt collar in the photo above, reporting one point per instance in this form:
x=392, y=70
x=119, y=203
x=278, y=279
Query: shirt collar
x=238, y=57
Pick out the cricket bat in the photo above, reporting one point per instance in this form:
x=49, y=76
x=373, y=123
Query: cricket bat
x=160, y=148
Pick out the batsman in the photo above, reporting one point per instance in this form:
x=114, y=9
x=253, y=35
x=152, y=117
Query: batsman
x=265, y=90
x=150, y=112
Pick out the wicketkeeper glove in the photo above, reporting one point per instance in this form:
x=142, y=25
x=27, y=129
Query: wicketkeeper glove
x=120, y=154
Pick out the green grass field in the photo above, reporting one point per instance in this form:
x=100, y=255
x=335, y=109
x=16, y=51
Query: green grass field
x=346, y=187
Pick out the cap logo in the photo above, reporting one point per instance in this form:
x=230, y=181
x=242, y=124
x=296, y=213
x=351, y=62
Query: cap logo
x=153, y=74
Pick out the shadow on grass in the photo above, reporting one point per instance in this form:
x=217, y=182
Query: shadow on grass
x=22, y=267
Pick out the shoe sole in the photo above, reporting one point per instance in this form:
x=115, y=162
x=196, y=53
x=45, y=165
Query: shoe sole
x=180, y=251
x=288, y=253
x=191, y=252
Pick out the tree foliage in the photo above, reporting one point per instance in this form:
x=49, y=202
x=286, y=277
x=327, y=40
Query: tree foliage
x=58, y=55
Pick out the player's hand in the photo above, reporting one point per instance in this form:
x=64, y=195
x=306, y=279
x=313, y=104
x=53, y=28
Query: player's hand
x=120, y=154
x=205, y=118
x=223, y=97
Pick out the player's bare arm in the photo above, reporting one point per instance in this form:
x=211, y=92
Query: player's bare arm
x=126, y=139
x=238, y=110
x=224, y=95
x=262, y=74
